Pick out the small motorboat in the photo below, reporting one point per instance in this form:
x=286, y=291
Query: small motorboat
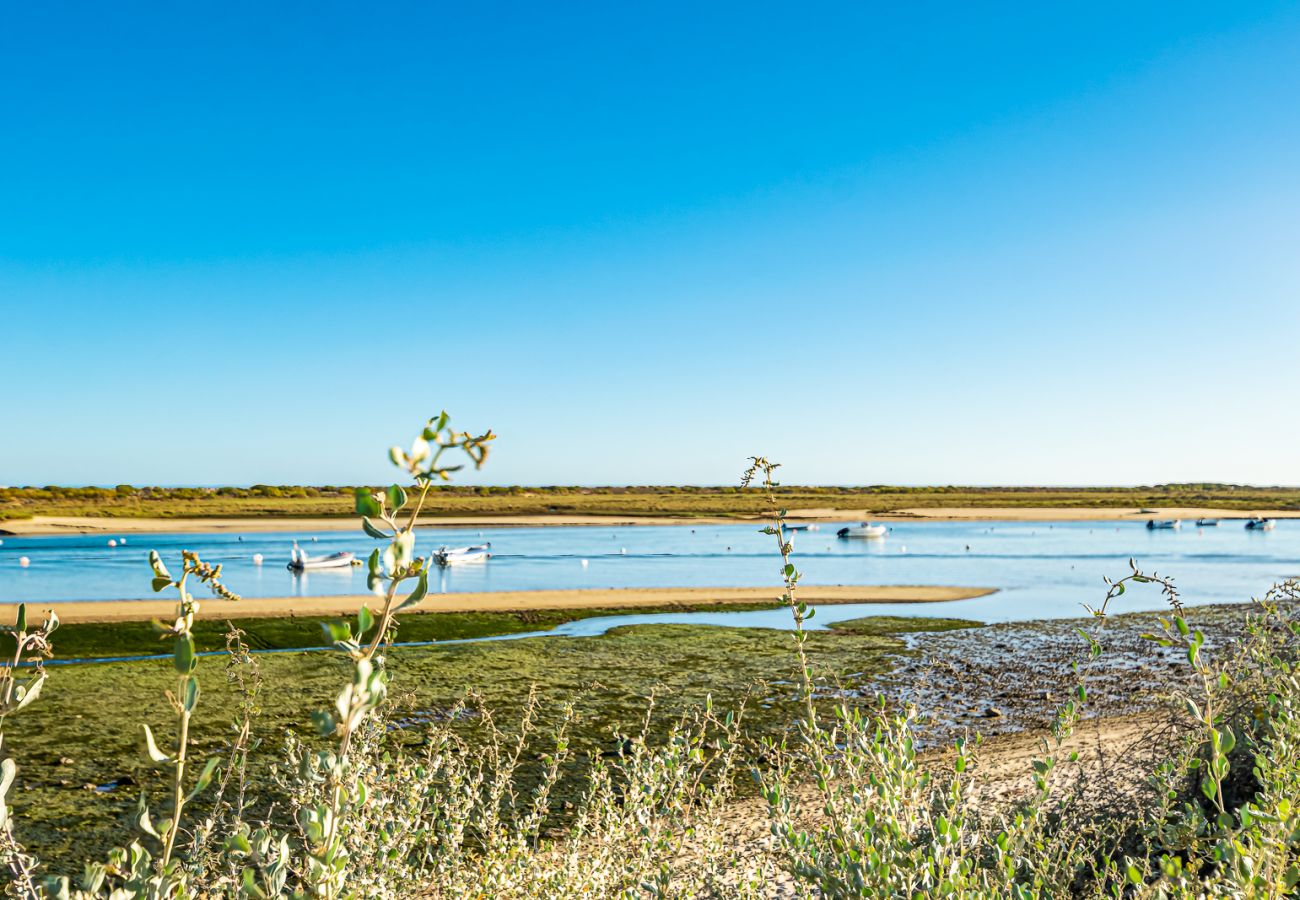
x=862, y=530
x=1207, y=523
x=454, y=556
x=809, y=527
x=1258, y=524
x=299, y=561
x=1153, y=524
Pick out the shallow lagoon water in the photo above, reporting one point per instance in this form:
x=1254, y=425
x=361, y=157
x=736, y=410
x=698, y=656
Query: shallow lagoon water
x=1041, y=570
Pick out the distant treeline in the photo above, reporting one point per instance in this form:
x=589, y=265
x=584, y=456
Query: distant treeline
x=310, y=501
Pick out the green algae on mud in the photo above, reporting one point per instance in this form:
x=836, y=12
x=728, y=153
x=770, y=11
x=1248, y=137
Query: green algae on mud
x=86, y=733
x=88, y=640
x=18, y=503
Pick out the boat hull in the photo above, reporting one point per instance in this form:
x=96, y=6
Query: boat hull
x=334, y=561
x=456, y=556
x=863, y=532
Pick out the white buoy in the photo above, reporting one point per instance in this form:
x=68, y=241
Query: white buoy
x=112, y=543
x=623, y=551
x=24, y=561
x=584, y=563
x=121, y=541
x=257, y=559
x=902, y=549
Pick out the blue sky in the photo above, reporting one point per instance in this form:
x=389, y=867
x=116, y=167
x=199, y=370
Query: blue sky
x=883, y=243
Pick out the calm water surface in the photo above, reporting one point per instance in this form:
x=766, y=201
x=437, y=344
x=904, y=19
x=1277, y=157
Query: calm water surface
x=1041, y=570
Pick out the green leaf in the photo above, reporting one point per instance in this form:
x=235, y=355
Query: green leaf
x=191, y=698
x=30, y=691
x=152, y=746
x=249, y=886
x=205, y=778
x=365, y=621
x=144, y=822
x=155, y=561
x=367, y=505
x=160, y=583
x=370, y=528
x=421, y=590
x=183, y=654
x=20, y=623
x=396, y=497
x=400, y=552
x=8, y=769
x=337, y=631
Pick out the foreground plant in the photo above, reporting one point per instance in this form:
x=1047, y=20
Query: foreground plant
x=16, y=693
x=322, y=824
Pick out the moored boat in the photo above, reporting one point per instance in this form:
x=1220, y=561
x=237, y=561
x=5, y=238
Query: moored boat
x=1153, y=524
x=453, y=556
x=1259, y=524
x=299, y=561
x=862, y=530
x=1207, y=523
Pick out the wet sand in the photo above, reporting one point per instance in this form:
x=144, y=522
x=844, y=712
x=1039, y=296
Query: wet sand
x=498, y=601
x=49, y=525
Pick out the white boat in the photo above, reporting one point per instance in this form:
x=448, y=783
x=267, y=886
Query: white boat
x=1207, y=523
x=863, y=530
x=811, y=527
x=454, y=556
x=1260, y=525
x=299, y=561
x=1164, y=523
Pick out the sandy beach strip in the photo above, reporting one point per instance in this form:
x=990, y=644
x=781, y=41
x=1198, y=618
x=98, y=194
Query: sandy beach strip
x=51, y=525
x=498, y=601
x=48, y=525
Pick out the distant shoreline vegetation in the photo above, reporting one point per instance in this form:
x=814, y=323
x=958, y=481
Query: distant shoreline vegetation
x=306, y=501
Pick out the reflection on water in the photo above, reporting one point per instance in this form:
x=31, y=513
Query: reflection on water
x=1041, y=569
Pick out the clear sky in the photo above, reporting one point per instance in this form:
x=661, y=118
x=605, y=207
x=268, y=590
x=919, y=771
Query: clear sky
x=905, y=243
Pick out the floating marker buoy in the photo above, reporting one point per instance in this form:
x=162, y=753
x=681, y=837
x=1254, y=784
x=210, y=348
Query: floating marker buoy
x=112, y=543
x=24, y=561
x=121, y=541
x=257, y=559
x=902, y=549
x=584, y=563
